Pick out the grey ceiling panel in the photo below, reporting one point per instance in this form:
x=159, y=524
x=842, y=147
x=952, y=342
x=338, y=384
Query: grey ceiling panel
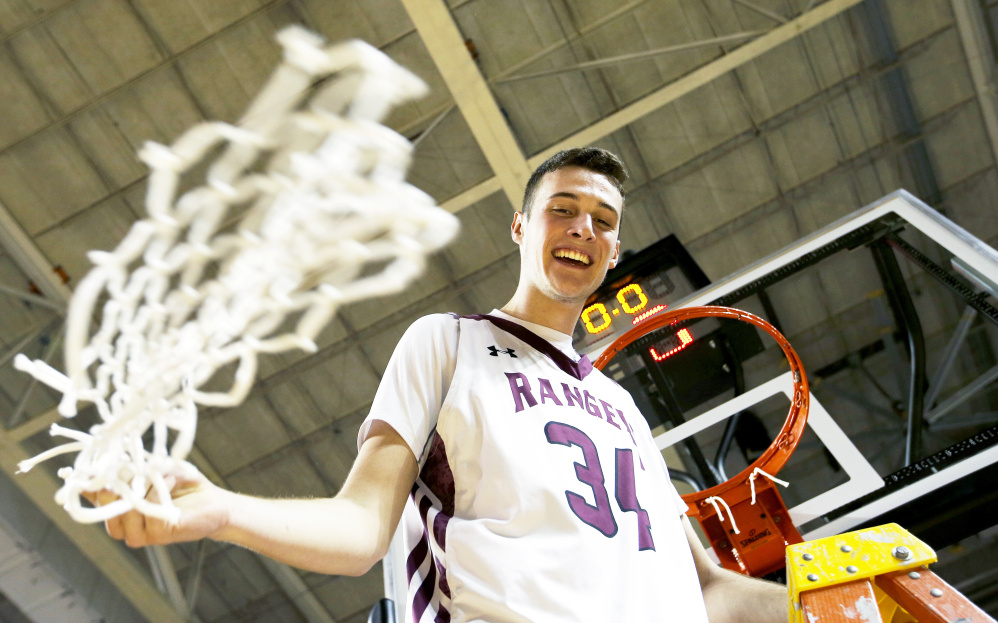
x=157, y=107
x=100, y=227
x=377, y=22
x=778, y=79
x=226, y=72
x=804, y=148
x=104, y=41
x=448, y=160
x=913, y=20
x=108, y=150
x=282, y=475
x=332, y=450
x=47, y=179
x=365, y=313
x=643, y=224
x=938, y=78
x=349, y=597
x=711, y=114
x=232, y=438
x=969, y=203
x=480, y=241
x=341, y=383
x=180, y=25
x=380, y=346
x=22, y=109
x=740, y=244
x=856, y=122
x=298, y=411
x=238, y=578
x=53, y=74
x=848, y=279
x=958, y=150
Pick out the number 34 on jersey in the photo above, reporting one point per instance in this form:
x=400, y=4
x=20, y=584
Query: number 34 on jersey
x=590, y=474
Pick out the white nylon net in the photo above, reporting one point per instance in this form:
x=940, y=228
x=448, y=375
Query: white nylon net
x=322, y=216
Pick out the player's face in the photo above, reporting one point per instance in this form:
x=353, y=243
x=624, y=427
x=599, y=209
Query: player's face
x=569, y=239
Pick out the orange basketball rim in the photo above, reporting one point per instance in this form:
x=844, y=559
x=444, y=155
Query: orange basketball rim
x=753, y=535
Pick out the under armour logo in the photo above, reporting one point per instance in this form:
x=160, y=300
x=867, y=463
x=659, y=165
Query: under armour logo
x=495, y=352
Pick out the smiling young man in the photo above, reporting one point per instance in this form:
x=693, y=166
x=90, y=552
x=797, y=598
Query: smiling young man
x=531, y=487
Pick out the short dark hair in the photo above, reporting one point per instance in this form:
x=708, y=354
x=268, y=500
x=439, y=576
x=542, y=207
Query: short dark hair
x=595, y=159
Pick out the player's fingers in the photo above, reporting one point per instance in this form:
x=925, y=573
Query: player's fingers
x=114, y=526
x=134, y=527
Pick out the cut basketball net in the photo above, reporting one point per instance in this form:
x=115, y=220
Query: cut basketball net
x=323, y=217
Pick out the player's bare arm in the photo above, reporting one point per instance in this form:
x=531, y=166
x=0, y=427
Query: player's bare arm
x=343, y=535
x=734, y=598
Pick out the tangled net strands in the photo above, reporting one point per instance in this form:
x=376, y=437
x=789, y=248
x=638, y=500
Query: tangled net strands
x=329, y=221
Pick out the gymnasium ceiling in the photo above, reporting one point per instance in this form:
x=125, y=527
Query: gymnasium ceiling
x=746, y=124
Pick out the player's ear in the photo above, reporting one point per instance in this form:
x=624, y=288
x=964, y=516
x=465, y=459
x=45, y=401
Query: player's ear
x=616, y=256
x=516, y=229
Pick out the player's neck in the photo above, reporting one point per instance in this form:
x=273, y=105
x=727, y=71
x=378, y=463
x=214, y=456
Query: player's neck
x=539, y=309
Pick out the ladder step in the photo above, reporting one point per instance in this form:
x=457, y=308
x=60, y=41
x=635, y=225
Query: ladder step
x=929, y=599
x=849, y=602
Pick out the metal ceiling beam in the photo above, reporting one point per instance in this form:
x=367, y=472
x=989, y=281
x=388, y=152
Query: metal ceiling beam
x=670, y=92
x=981, y=58
x=471, y=93
x=31, y=261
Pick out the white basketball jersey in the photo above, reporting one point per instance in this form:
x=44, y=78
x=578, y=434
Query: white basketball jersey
x=541, y=496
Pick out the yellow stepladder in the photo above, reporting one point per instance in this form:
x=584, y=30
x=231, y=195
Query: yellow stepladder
x=876, y=575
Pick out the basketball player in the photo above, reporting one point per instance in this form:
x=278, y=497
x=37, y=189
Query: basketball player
x=537, y=493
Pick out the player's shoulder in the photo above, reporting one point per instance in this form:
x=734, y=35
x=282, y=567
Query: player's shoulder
x=433, y=329
x=435, y=323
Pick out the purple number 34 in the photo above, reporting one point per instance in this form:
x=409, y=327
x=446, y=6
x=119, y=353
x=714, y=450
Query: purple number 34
x=589, y=472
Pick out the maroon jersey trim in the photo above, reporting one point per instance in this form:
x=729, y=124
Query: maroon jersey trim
x=579, y=370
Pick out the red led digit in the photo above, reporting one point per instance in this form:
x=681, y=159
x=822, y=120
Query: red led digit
x=648, y=314
x=586, y=320
x=685, y=339
x=622, y=297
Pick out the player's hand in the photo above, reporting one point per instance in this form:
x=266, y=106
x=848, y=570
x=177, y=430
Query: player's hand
x=203, y=512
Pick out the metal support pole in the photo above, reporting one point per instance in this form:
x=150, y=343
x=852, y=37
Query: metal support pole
x=33, y=334
x=614, y=60
x=194, y=576
x=22, y=404
x=738, y=379
x=761, y=11
x=34, y=299
x=433, y=124
x=901, y=303
x=162, y=567
x=964, y=394
x=949, y=355
x=688, y=478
